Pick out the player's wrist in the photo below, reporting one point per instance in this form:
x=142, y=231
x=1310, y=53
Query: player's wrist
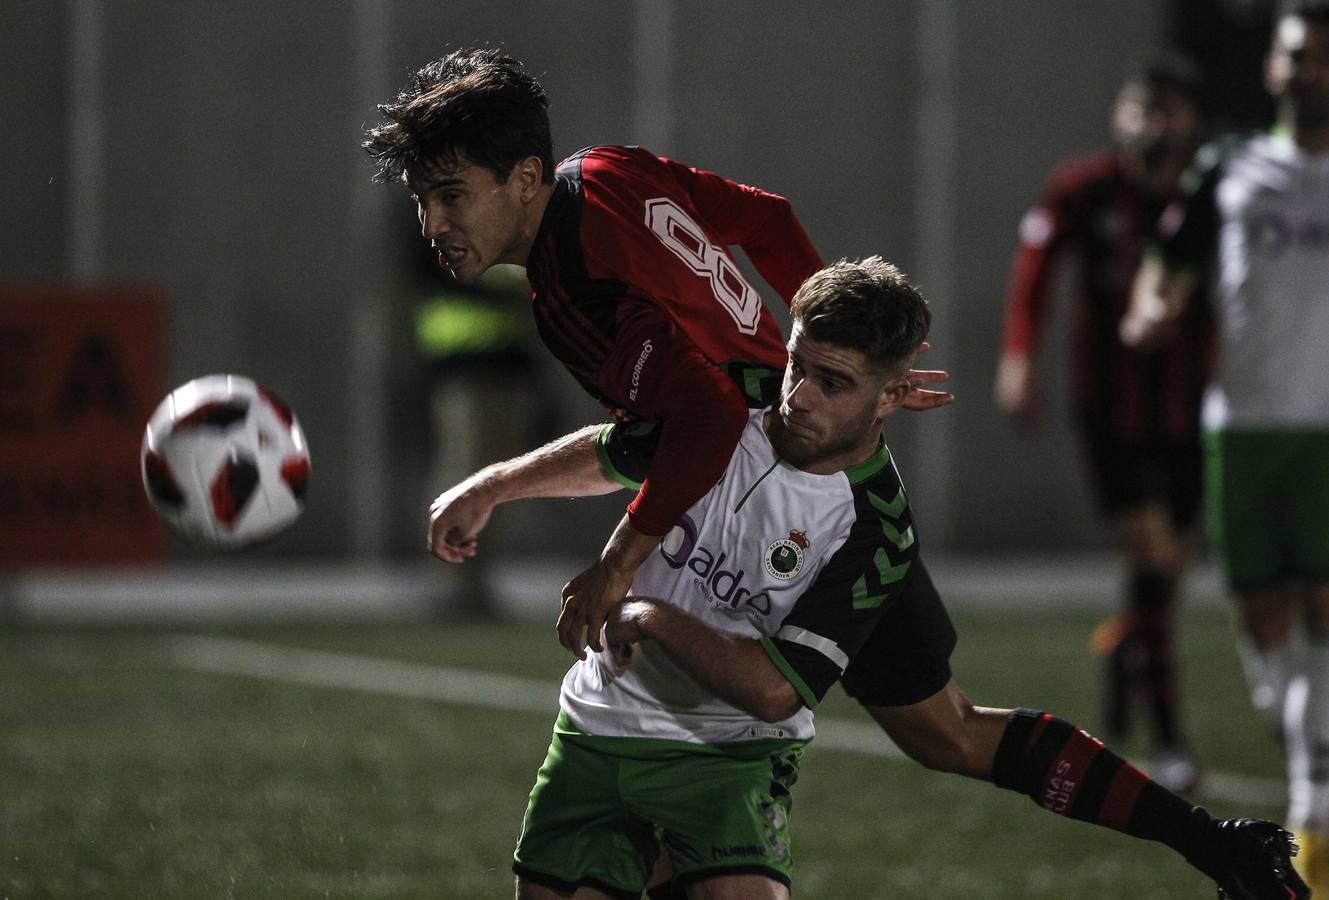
x=496, y=484
x=626, y=550
x=481, y=491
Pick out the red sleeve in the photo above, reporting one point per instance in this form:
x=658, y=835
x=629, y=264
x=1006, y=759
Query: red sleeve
x=702, y=415
x=1029, y=293
x=762, y=223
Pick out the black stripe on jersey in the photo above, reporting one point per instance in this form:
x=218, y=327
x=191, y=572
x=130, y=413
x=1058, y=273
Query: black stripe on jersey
x=576, y=314
x=577, y=343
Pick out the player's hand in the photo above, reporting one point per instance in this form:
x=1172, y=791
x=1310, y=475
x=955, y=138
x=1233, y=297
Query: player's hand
x=920, y=398
x=1148, y=324
x=587, y=600
x=456, y=518
x=1016, y=389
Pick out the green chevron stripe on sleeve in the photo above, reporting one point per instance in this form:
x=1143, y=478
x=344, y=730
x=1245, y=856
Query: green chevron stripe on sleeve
x=888, y=573
x=902, y=541
x=862, y=600
x=892, y=509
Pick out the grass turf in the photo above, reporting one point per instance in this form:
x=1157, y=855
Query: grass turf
x=123, y=775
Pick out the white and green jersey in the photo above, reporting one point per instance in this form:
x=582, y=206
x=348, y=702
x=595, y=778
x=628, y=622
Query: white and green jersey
x=1257, y=220
x=804, y=563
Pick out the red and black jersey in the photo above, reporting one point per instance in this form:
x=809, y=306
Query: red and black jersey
x=1089, y=206
x=636, y=292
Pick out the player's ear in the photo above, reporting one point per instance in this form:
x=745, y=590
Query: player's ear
x=892, y=396
x=529, y=175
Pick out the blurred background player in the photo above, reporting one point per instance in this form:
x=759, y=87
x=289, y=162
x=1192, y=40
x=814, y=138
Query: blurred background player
x=1256, y=227
x=633, y=286
x=1136, y=414
x=484, y=396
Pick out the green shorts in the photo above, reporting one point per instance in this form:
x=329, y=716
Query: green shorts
x=602, y=806
x=1268, y=497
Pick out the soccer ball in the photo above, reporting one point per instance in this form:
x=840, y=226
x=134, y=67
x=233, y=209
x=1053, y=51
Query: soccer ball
x=225, y=462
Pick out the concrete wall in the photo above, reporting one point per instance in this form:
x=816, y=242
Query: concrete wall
x=230, y=172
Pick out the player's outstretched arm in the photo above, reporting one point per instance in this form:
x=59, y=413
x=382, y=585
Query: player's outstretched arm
x=1066, y=771
x=567, y=467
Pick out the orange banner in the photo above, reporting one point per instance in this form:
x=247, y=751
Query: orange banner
x=82, y=366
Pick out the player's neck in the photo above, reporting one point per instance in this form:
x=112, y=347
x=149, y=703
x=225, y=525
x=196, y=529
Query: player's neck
x=1159, y=177
x=1309, y=139
x=533, y=216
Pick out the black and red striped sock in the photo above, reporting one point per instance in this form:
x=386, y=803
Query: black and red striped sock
x=1066, y=770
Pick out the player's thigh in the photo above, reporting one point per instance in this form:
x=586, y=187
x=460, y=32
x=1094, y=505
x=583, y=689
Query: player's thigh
x=1317, y=605
x=1245, y=520
x=1306, y=488
x=724, y=812
x=1149, y=538
x=1182, y=464
x=578, y=831
x=1149, y=491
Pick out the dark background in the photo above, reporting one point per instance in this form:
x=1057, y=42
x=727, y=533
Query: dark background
x=213, y=148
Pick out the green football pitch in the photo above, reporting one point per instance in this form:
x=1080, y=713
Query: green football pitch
x=393, y=760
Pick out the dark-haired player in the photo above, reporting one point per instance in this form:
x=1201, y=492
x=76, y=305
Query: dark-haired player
x=634, y=287
x=1136, y=413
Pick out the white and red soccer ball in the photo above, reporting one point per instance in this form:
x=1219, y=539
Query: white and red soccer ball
x=225, y=462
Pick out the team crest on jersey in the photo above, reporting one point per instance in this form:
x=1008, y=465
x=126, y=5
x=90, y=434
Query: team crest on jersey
x=784, y=558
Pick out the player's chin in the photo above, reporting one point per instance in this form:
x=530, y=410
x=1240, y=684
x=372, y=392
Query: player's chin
x=466, y=268
x=796, y=439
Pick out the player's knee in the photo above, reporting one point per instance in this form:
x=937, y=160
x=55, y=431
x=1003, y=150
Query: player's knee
x=1267, y=615
x=944, y=754
x=952, y=752
x=1151, y=542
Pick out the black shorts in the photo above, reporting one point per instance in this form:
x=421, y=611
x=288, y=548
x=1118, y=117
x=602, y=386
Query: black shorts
x=1128, y=475
x=907, y=658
